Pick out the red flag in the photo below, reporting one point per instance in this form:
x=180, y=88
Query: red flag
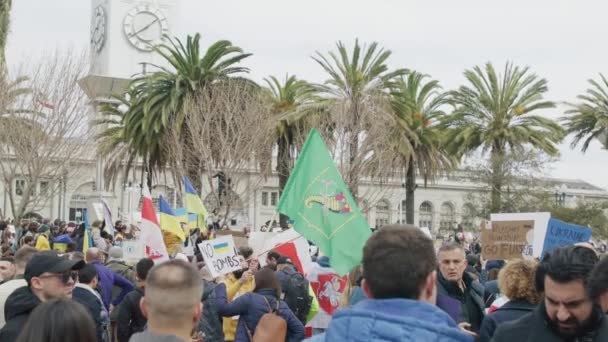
x=328, y=288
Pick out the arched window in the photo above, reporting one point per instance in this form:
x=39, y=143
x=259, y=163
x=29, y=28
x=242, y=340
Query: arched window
x=446, y=216
x=468, y=215
x=425, y=215
x=402, y=212
x=383, y=213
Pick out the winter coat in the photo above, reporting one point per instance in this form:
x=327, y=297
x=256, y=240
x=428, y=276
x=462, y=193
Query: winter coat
x=17, y=310
x=533, y=327
x=42, y=243
x=471, y=300
x=211, y=321
x=251, y=307
x=107, y=280
x=392, y=320
x=5, y=290
x=510, y=311
x=130, y=319
x=234, y=289
x=93, y=304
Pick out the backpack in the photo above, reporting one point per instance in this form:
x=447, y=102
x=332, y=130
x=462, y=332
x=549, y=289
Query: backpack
x=271, y=327
x=297, y=297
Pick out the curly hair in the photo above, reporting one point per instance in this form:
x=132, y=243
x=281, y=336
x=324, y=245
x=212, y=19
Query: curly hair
x=516, y=281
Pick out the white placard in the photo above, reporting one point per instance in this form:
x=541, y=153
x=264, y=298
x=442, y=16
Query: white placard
x=220, y=254
x=132, y=251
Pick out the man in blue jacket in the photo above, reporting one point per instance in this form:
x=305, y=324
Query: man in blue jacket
x=399, y=277
x=107, y=279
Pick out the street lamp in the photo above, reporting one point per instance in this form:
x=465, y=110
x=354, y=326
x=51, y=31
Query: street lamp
x=560, y=195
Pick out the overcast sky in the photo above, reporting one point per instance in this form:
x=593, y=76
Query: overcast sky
x=561, y=40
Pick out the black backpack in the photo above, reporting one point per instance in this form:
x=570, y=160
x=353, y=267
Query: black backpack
x=297, y=297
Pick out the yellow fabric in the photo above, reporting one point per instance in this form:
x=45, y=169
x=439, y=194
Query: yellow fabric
x=42, y=244
x=234, y=289
x=314, y=306
x=172, y=242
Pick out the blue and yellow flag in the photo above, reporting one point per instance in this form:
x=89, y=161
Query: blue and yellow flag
x=168, y=220
x=194, y=204
x=87, y=242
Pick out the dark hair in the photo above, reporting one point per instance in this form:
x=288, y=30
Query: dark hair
x=246, y=251
x=59, y=320
x=397, y=259
x=493, y=274
x=266, y=278
x=273, y=255
x=8, y=258
x=143, y=268
x=566, y=264
x=71, y=247
x=87, y=274
x=598, y=279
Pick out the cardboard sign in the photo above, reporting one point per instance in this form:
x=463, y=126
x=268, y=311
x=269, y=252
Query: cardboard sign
x=541, y=221
x=133, y=251
x=505, y=240
x=560, y=233
x=220, y=254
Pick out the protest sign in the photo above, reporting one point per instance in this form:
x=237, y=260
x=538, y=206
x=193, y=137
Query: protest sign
x=560, y=233
x=132, y=251
x=257, y=240
x=541, y=220
x=220, y=255
x=503, y=240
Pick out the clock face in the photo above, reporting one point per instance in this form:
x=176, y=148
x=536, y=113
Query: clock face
x=98, y=28
x=144, y=26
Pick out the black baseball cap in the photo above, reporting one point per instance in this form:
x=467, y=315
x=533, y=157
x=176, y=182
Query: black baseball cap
x=49, y=261
x=284, y=260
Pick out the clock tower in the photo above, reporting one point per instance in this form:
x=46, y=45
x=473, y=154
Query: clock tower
x=123, y=33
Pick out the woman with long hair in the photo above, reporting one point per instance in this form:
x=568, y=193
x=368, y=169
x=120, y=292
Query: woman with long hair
x=59, y=320
x=265, y=298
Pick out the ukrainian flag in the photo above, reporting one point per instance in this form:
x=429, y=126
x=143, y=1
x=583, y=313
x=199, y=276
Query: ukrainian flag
x=168, y=220
x=194, y=204
x=221, y=247
x=87, y=241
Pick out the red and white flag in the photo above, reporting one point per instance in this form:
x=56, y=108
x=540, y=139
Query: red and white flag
x=290, y=244
x=328, y=287
x=150, y=234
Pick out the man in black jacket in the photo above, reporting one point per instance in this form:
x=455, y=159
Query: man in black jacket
x=567, y=313
x=48, y=276
x=598, y=284
x=455, y=283
x=85, y=294
x=210, y=323
x=130, y=319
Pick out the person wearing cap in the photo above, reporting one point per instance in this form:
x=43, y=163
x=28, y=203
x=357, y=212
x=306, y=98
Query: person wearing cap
x=108, y=279
x=48, y=276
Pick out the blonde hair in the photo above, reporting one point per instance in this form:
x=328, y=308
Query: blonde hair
x=353, y=276
x=516, y=281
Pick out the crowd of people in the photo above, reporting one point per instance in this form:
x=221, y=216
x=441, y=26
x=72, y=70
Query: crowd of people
x=406, y=289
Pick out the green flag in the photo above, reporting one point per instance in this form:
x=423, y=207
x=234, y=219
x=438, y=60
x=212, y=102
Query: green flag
x=322, y=208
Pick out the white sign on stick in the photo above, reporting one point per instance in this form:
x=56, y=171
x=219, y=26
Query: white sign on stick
x=220, y=255
x=132, y=251
x=541, y=221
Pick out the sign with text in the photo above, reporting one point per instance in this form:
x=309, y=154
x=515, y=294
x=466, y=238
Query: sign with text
x=220, y=254
x=132, y=251
x=560, y=233
x=503, y=240
x=541, y=220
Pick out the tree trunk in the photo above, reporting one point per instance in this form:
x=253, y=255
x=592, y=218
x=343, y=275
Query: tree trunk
x=353, y=175
x=497, y=161
x=283, y=169
x=410, y=188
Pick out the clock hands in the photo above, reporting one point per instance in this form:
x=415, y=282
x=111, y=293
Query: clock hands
x=144, y=28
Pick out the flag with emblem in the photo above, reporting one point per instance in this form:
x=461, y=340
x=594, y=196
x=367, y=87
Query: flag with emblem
x=323, y=210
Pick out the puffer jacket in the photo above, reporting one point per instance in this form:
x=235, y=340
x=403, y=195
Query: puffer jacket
x=251, y=307
x=19, y=305
x=392, y=320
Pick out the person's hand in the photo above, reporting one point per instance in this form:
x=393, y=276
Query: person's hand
x=464, y=327
x=111, y=308
x=246, y=277
x=198, y=337
x=483, y=262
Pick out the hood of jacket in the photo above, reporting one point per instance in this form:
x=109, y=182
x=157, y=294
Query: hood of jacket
x=21, y=302
x=393, y=320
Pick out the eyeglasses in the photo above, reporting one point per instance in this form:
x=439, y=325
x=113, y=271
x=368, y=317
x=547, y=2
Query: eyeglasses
x=65, y=276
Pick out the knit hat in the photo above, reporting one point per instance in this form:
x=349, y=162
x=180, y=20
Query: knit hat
x=43, y=228
x=115, y=253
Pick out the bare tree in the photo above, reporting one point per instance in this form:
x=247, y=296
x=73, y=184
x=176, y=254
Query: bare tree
x=44, y=143
x=231, y=125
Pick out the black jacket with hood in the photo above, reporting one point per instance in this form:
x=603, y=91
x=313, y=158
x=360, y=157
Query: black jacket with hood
x=17, y=310
x=211, y=322
x=471, y=300
x=130, y=319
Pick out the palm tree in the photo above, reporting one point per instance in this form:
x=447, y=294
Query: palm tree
x=588, y=119
x=495, y=113
x=163, y=93
x=286, y=98
x=417, y=107
x=353, y=81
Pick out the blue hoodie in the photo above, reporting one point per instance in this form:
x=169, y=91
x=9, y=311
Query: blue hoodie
x=391, y=320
